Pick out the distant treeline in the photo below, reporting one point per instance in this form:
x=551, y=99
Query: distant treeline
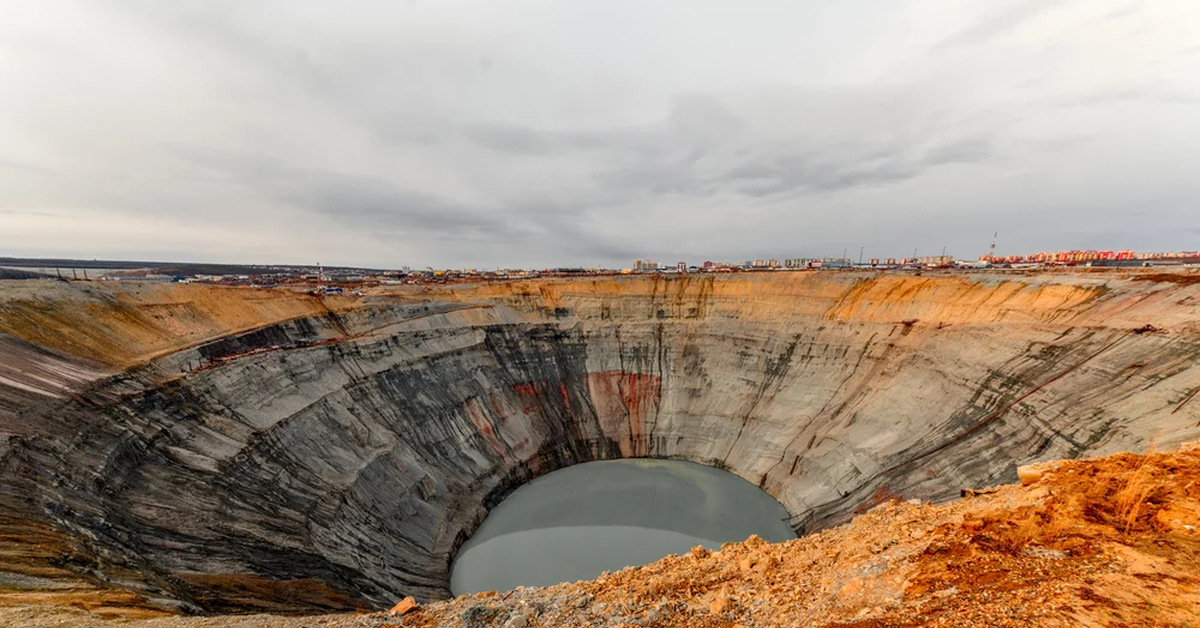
x=165, y=268
x=12, y=273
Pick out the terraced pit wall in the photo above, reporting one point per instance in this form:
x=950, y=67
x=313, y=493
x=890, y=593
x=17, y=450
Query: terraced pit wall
x=217, y=449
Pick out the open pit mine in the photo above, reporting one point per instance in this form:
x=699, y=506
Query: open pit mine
x=191, y=449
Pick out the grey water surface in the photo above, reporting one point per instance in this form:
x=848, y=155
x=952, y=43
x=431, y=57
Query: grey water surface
x=575, y=523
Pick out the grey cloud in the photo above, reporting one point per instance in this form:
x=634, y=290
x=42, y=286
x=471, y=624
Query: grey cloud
x=867, y=167
x=768, y=170
x=703, y=148
x=645, y=141
x=212, y=25
x=368, y=90
x=679, y=177
x=548, y=137
x=694, y=120
x=510, y=138
x=381, y=205
x=700, y=118
x=384, y=209
x=1123, y=12
x=752, y=170
x=800, y=173
x=1128, y=91
x=22, y=165
x=405, y=128
x=962, y=151
x=357, y=200
x=30, y=212
x=1000, y=23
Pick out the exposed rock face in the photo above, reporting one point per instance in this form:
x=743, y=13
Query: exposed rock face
x=232, y=448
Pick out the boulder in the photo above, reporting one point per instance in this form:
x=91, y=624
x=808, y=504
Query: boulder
x=406, y=605
x=1031, y=473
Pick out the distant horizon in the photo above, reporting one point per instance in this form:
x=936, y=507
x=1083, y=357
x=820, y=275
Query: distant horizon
x=26, y=261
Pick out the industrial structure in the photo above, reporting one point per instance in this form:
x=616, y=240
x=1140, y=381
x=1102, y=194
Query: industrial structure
x=1097, y=258
x=989, y=260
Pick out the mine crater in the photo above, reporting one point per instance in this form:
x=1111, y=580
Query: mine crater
x=210, y=449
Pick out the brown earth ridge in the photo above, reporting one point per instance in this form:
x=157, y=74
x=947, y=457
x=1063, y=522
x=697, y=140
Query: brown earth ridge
x=181, y=448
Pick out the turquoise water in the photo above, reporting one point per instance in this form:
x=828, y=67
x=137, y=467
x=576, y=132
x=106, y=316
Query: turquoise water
x=578, y=522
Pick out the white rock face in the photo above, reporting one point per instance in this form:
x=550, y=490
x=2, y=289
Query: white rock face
x=360, y=450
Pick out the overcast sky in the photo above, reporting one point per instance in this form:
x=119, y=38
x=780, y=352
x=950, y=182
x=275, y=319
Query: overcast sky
x=590, y=132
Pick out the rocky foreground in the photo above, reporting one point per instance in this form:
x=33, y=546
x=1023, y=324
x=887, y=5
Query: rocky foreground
x=1111, y=541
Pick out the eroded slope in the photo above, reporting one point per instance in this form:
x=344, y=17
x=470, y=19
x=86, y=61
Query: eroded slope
x=1098, y=542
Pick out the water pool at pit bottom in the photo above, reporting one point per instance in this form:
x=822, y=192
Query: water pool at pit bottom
x=578, y=522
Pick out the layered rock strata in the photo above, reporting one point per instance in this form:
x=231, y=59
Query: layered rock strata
x=216, y=449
